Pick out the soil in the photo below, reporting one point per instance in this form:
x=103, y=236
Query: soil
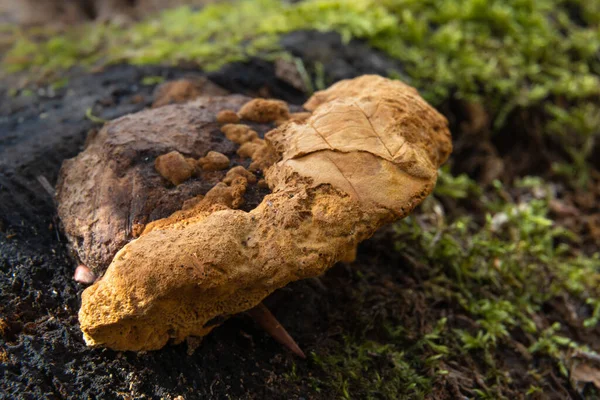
x=42, y=352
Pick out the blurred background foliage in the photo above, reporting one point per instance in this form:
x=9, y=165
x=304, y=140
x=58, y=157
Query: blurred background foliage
x=509, y=54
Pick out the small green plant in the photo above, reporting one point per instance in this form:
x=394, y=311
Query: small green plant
x=496, y=272
x=152, y=80
x=89, y=115
x=502, y=271
x=595, y=318
x=456, y=187
x=353, y=372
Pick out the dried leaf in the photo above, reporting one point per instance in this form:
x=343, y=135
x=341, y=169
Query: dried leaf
x=584, y=372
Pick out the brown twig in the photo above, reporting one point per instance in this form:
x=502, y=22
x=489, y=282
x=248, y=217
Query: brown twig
x=266, y=320
x=47, y=186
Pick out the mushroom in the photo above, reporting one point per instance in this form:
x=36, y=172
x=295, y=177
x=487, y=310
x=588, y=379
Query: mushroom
x=263, y=110
x=366, y=157
x=184, y=90
x=109, y=192
x=174, y=167
x=214, y=161
x=228, y=117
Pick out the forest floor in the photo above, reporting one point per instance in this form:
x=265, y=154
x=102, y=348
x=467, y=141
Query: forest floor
x=491, y=289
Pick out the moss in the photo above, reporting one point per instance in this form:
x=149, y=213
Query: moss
x=59, y=84
x=402, y=367
x=152, y=80
x=500, y=271
x=503, y=270
x=216, y=35
x=527, y=50
x=506, y=54
x=356, y=371
x=577, y=128
x=456, y=187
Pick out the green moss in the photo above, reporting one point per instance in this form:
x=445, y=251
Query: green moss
x=503, y=270
x=576, y=127
x=355, y=372
x=525, y=49
x=152, y=80
x=500, y=272
x=59, y=84
x=456, y=187
x=402, y=367
x=505, y=54
x=216, y=35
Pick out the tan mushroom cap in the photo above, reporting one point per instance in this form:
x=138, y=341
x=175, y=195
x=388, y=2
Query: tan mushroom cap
x=367, y=156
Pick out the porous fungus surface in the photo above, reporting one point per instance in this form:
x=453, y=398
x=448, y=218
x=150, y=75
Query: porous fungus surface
x=184, y=90
x=239, y=133
x=174, y=167
x=214, y=161
x=264, y=110
x=366, y=156
x=228, y=117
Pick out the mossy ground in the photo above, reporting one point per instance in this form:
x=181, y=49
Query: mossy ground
x=502, y=54
x=494, y=300
x=491, y=289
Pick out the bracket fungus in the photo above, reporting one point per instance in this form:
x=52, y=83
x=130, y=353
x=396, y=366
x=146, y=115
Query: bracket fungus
x=366, y=155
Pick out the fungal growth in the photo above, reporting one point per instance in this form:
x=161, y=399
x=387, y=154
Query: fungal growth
x=366, y=155
x=143, y=167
